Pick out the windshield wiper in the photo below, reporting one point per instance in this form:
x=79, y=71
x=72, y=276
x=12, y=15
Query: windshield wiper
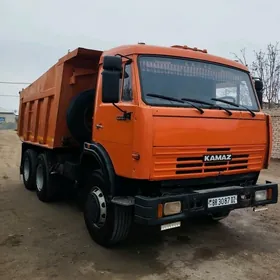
x=208, y=103
x=235, y=105
x=175, y=99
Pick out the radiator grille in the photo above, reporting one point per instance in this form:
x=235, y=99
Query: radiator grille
x=189, y=161
x=238, y=162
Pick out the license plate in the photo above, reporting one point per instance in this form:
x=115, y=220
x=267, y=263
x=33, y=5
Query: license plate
x=170, y=226
x=222, y=201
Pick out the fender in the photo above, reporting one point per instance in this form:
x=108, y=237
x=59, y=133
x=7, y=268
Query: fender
x=102, y=157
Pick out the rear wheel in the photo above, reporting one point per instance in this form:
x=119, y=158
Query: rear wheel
x=107, y=223
x=29, y=160
x=46, y=186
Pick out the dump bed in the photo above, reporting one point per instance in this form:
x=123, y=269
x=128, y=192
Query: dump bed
x=43, y=104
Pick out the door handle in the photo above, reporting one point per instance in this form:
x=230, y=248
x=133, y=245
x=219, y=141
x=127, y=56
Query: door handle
x=99, y=126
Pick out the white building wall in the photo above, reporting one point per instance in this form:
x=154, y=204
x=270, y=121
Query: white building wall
x=9, y=118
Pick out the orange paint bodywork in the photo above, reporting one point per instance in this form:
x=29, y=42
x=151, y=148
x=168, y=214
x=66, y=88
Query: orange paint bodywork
x=169, y=141
x=43, y=104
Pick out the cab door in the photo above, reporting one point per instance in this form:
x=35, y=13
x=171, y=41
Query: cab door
x=111, y=129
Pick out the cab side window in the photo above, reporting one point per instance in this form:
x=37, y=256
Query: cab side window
x=127, y=84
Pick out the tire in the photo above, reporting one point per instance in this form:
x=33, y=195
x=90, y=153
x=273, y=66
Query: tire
x=79, y=116
x=46, y=186
x=107, y=223
x=29, y=161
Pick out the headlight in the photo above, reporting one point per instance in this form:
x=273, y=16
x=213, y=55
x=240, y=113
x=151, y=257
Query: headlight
x=261, y=195
x=171, y=208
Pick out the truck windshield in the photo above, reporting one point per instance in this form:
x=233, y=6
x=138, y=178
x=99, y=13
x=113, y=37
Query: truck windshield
x=185, y=78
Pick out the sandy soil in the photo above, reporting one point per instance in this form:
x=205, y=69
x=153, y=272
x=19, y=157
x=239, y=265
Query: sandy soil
x=50, y=241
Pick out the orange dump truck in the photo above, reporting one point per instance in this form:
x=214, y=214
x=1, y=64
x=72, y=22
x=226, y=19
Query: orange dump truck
x=147, y=134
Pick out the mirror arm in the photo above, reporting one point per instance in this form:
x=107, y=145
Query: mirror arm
x=120, y=109
x=126, y=115
x=124, y=56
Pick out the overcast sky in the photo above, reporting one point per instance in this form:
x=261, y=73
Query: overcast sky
x=35, y=34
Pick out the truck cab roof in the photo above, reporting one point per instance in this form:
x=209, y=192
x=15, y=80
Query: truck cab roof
x=176, y=51
x=143, y=49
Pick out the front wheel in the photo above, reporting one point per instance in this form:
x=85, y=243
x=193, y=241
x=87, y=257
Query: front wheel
x=107, y=223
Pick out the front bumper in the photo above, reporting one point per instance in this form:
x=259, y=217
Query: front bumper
x=196, y=202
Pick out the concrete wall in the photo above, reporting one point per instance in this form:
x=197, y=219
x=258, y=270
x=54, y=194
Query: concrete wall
x=275, y=115
x=8, y=117
x=9, y=121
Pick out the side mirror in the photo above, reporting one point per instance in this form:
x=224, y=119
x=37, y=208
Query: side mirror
x=258, y=84
x=259, y=89
x=111, y=74
x=260, y=97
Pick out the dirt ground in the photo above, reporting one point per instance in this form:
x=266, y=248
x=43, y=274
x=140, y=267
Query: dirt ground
x=50, y=241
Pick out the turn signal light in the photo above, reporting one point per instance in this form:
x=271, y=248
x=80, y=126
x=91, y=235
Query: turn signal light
x=160, y=211
x=269, y=194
